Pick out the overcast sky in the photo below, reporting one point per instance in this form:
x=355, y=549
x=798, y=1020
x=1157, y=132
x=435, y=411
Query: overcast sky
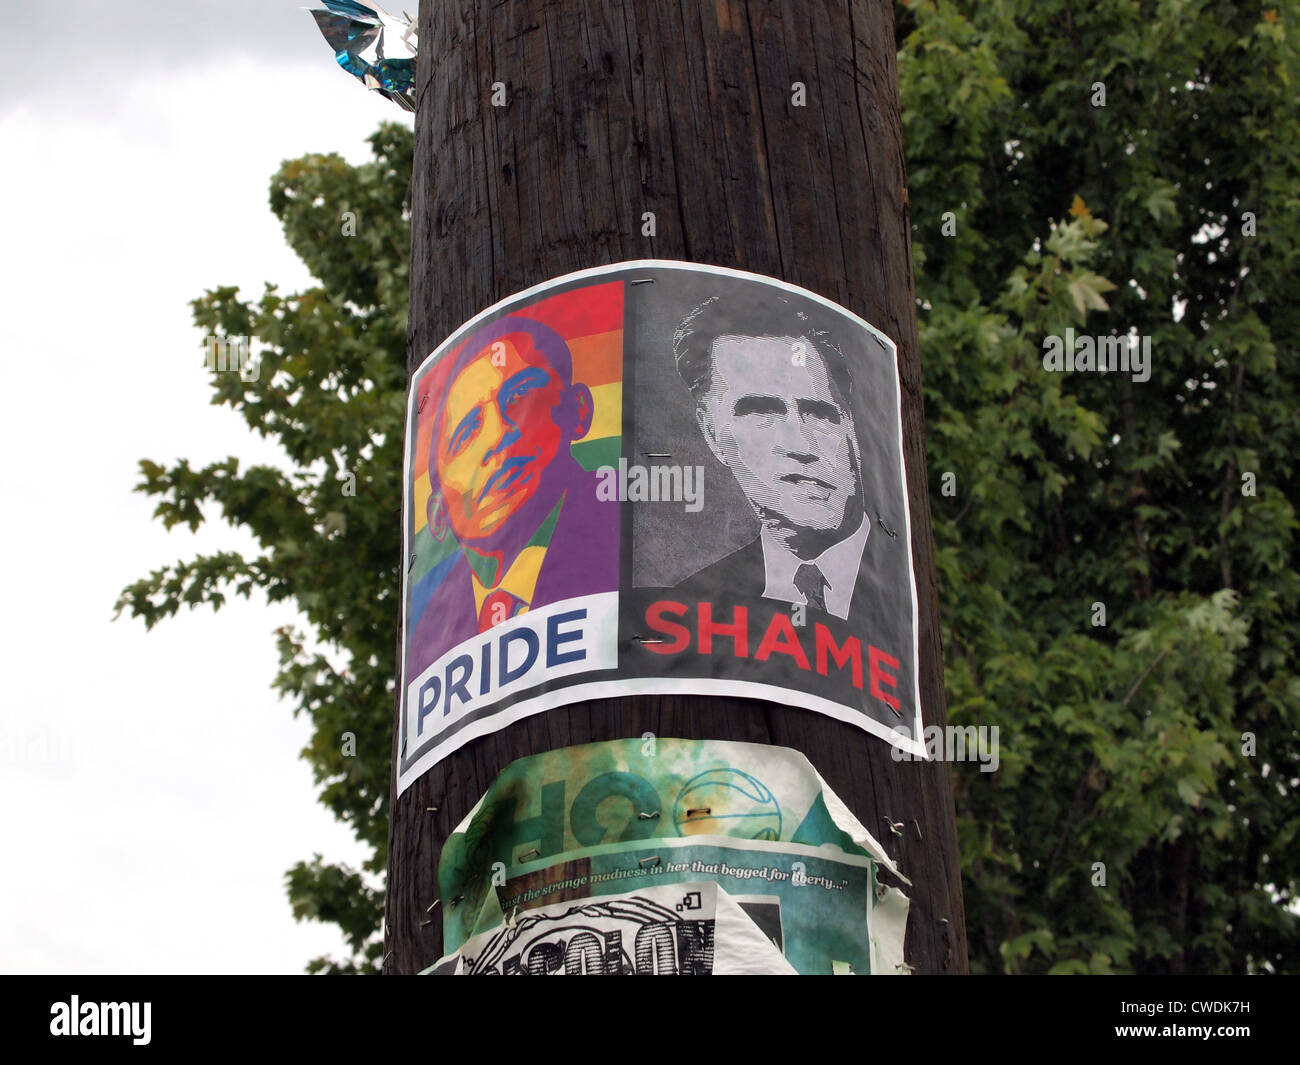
x=152, y=792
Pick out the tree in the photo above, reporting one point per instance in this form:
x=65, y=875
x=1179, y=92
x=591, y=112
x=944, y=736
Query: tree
x=330, y=391
x=1124, y=744
x=1121, y=744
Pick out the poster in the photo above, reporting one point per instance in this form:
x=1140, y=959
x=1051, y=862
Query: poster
x=817, y=908
x=648, y=789
x=656, y=477
x=686, y=929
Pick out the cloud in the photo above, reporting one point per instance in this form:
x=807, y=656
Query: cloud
x=153, y=783
x=81, y=56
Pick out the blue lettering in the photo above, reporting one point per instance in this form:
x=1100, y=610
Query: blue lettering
x=427, y=705
x=506, y=674
x=458, y=685
x=554, y=638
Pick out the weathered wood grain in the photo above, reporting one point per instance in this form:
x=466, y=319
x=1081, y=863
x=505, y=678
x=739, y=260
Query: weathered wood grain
x=684, y=109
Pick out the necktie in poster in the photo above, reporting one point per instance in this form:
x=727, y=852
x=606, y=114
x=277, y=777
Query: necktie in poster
x=656, y=477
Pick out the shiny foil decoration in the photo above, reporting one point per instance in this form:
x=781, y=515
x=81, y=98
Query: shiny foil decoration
x=372, y=46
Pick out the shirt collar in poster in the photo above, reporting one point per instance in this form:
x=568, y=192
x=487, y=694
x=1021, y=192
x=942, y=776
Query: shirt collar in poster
x=839, y=565
x=520, y=580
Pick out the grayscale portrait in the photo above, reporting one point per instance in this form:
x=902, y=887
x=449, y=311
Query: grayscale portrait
x=796, y=569
x=773, y=403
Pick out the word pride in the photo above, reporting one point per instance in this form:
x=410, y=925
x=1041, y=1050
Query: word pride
x=1125, y=354
x=102, y=1018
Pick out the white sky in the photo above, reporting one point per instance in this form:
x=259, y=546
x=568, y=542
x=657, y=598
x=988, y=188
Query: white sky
x=150, y=783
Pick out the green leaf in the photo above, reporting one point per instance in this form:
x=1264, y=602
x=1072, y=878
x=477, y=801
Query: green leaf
x=1086, y=289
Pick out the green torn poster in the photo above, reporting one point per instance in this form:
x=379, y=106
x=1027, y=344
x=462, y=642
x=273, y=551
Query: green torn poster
x=780, y=907
x=635, y=790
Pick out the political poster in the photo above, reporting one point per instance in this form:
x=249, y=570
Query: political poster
x=656, y=477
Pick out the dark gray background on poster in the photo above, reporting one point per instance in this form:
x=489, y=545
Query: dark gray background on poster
x=668, y=542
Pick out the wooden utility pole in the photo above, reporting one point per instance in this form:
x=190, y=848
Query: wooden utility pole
x=685, y=109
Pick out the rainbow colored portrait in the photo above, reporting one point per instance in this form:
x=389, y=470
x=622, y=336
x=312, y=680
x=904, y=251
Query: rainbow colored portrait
x=502, y=509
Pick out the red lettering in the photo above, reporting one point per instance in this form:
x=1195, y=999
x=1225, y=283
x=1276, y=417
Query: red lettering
x=849, y=654
x=681, y=635
x=738, y=630
x=875, y=657
x=781, y=638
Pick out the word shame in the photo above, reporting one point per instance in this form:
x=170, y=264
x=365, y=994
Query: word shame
x=694, y=628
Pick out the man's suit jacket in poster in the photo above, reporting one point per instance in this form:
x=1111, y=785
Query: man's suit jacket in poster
x=581, y=559
x=880, y=613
